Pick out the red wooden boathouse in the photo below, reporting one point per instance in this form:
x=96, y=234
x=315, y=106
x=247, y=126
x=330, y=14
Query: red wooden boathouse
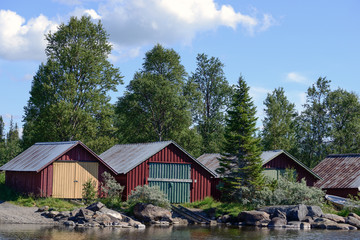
x=165, y=164
x=274, y=162
x=54, y=169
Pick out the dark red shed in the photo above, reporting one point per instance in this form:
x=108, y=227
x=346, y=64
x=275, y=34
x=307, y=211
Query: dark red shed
x=274, y=163
x=54, y=169
x=340, y=174
x=165, y=164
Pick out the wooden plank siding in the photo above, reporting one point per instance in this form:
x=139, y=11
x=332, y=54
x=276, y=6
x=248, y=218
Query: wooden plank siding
x=282, y=162
x=201, y=179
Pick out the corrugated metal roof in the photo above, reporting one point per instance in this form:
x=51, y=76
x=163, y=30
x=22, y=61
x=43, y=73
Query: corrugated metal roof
x=211, y=160
x=38, y=156
x=339, y=171
x=124, y=157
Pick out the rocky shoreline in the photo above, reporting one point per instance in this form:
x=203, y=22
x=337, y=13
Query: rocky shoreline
x=97, y=215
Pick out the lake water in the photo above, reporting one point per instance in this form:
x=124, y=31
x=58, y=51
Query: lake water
x=16, y=231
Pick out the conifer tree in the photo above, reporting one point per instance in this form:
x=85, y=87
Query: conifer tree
x=240, y=163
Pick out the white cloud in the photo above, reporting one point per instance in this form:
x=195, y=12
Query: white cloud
x=20, y=40
x=78, y=12
x=296, y=77
x=140, y=22
x=258, y=93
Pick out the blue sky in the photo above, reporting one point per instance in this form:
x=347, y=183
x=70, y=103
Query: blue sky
x=271, y=43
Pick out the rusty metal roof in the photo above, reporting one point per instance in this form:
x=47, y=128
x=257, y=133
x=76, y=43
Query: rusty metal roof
x=38, y=156
x=124, y=157
x=211, y=160
x=339, y=171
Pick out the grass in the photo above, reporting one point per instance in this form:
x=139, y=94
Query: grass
x=7, y=194
x=221, y=208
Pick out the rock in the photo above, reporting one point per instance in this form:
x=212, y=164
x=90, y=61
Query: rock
x=140, y=226
x=213, y=223
x=180, y=221
x=354, y=215
x=308, y=219
x=75, y=212
x=64, y=214
x=103, y=220
x=69, y=223
x=279, y=214
x=322, y=223
x=254, y=218
x=335, y=218
x=43, y=209
x=52, y=214
x=95, y=206
x=111, y=213
x=353, y=221
x=149, y=212
x=314, y=211
x=85, y=212
x=224, y=219
x=305, y=225
x=294, y=224
x=293, y=212
x=277, y=222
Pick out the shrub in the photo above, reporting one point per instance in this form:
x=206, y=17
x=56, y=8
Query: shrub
x=152, y=195
x=287, y=191
x=89, y=191
x=110, y=187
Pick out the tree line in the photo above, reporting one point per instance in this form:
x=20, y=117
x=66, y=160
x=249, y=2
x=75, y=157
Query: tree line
x=200, y=110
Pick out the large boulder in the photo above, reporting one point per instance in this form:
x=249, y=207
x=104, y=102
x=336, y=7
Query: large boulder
x=254, y=218
x=314, y=211
x=353, y=221
x=148, y=212
x=111, y=213
x=293, y=212
x=335, y=218
x=95, y=206
x=277, y=222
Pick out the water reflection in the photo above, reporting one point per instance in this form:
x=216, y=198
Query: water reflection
x=16, y=231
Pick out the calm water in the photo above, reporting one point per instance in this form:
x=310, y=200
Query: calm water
x=10, y=231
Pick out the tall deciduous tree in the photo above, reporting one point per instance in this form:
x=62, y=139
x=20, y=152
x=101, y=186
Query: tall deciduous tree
x=313, y=125
x=240, y=164
x=212, y=93
x=69, y=98
x=279, y=122
x=154, y=107
x=344, y=111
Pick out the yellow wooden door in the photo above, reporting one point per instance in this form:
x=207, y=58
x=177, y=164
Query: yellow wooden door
x=69, y=177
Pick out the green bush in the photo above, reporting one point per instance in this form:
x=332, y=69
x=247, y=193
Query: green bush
x=110, y=187
x=152, y=195
x=287, y=191
x=89, y=191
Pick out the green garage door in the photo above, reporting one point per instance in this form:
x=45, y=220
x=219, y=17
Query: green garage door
x=173, y=179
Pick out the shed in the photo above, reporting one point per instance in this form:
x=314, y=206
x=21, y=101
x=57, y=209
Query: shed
x=340, y=174
x=54, y=169
x=165, y=164
x=274, y=162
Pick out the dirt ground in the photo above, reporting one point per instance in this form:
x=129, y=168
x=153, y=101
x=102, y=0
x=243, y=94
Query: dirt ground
x=10, y=213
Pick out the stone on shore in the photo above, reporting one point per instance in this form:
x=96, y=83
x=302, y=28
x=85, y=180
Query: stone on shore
x=254, y=218
x=149, y=212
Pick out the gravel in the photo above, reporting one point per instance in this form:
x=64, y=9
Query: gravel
x=10, y=213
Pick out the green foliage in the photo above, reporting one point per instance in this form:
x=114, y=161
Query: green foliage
x=221, y=208
x=240, y=164
x=287, y=191
x=152, y=195
x=279, y=122
x=9, y=144
x=313, y=125
x=209, y=93
x=344, y=111
x=68, y=97
x=110, y=187
x=89, y=191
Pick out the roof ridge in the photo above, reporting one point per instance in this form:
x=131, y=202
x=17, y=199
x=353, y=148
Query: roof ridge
x=344, y=155
x=56, y=143
x=144, y=143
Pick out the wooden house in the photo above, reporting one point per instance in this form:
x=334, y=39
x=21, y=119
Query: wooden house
x=54, y=169
x=274, y=163
x=165, y=164
x=340, y=174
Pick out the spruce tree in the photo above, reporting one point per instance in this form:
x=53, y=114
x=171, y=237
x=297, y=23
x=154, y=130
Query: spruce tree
x=240, y=162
